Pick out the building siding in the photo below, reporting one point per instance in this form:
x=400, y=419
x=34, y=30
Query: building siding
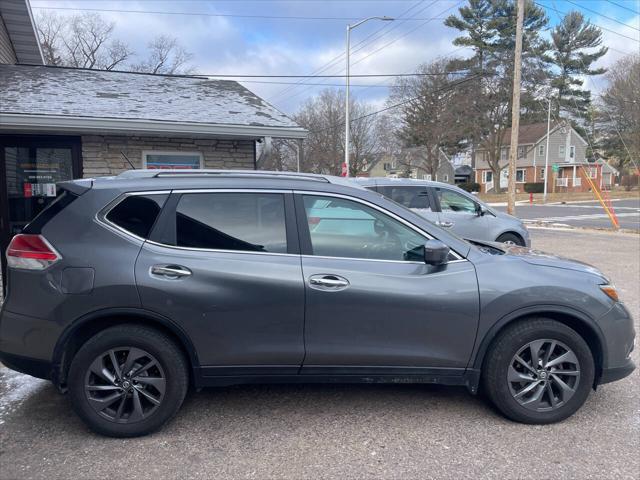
x=102, y=154
x=7, y=55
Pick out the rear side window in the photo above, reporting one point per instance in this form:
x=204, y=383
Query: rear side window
x=253, y=222
x=137, y=213
x=62, y=201
x=410, y=197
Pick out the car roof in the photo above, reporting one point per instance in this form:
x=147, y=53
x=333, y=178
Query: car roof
x=388, y=181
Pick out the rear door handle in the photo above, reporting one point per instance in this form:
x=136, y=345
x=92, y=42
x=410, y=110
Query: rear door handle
x=170, y=271
x=328, y=282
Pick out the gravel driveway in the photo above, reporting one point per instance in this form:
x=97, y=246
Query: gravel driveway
x=344, y=431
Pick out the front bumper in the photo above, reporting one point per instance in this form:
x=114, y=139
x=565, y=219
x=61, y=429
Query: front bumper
x=613, y=374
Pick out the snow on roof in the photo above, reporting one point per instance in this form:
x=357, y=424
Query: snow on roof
x=46, y=90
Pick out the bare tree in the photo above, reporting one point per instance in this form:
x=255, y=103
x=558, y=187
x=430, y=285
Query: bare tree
x=166, y=56
x=323, y=116
x=50, y=27
x=428, y=115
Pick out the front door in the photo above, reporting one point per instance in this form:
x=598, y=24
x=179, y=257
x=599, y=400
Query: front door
x=229, y=274
x=372, y=304
x=30, y=167
x=460, y=214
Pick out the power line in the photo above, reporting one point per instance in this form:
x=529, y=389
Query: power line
x=361, y=44
x=399, y=104
x=601, y=15
x=594, y=23
x=206, y=14
x=625, y=7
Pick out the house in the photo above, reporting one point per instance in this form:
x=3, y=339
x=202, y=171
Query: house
x=610, y=175
x=58, y=123
x=463, y=174
x=568, y=170
x=411, y=163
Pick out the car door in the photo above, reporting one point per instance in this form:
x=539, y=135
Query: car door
x=372, y=304
x=460, y=214
x=224, y=265
x=415, y=197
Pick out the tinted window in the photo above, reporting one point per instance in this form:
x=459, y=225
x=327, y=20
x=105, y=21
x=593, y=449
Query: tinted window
x=451, y=201
x=137, y=213
x=410, y=197
x=62, y=201
x=344, y=228
x=232, y=221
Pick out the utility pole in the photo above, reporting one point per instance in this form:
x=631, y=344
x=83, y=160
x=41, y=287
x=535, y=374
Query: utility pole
x=546, y=153
x=347, y=121
x=515, y=112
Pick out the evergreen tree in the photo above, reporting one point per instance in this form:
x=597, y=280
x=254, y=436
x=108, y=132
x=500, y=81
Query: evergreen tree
x=572, y=42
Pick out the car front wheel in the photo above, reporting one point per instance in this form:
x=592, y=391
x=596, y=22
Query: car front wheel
x=128, y=381
x=538, y=371
x=511, y=239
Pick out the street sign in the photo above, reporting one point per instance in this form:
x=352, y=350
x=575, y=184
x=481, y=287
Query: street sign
x=555, y=168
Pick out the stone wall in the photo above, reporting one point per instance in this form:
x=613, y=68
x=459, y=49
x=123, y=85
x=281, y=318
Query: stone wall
x=101, y=154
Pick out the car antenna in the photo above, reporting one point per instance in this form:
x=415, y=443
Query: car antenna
x=127, y=159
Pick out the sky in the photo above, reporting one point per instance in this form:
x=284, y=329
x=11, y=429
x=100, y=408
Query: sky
x=245, y=45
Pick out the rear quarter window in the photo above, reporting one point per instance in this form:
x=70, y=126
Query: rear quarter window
x=137, y=213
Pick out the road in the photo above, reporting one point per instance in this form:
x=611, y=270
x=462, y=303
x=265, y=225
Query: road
x=344, y=431
x=581, y=214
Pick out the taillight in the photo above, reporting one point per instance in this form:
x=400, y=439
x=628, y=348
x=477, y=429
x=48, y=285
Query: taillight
x=31, y=252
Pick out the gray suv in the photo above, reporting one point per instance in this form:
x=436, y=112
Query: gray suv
x=127, y=290
x=452, y=208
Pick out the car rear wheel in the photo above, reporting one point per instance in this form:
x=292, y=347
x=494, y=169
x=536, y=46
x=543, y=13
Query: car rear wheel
x=538, y=371
x=128, y=381
x=511, y=239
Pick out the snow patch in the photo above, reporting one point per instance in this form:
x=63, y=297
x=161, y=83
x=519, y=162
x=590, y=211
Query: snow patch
x=15, y=389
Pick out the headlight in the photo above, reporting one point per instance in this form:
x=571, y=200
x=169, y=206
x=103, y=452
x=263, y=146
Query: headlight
x=610, y=291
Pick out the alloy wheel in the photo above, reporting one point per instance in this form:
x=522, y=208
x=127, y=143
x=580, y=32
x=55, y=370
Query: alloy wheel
x=543, y=375
x=125, y=384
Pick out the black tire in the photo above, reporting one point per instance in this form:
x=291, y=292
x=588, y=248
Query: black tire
x=150, y=345
x=502, y=355
x=511, y=238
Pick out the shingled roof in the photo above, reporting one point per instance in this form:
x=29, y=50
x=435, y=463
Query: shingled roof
x=33, y=93
x=527, y=134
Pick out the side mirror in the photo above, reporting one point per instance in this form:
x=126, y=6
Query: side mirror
x=480, y=210
x=435, y=252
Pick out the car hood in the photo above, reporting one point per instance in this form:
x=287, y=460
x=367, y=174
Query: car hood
x=542, y=259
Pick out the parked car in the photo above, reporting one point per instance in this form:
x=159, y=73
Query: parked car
x=451, y=207
x=128, y=289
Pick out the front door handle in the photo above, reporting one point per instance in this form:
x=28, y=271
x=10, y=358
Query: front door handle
x=328, y=282
x=170, y=271
x=445, y=224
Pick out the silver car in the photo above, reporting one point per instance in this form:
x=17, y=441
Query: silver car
x=452, y=208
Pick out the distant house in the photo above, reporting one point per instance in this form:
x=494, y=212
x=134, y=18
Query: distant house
x=610, y=175
x=57, y=123
x=412, y=163
x=464, y=174
x=567, y=152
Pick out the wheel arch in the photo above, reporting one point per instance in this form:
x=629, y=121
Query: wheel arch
x=83, y=328
x=584, y=325
x=511, y=232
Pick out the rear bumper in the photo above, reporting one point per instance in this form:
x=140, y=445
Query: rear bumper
x=613, y=374
x=30, y=366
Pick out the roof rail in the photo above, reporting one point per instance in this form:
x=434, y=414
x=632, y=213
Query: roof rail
x=222, y=173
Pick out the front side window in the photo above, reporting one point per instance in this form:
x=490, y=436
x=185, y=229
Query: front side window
x=348, y=229
x=251, y=222
x=137, y=213
x=451, y=201
x=410, y=197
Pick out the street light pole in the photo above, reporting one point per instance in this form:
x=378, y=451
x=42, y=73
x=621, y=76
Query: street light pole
x=546, y=154
x=346, y=107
